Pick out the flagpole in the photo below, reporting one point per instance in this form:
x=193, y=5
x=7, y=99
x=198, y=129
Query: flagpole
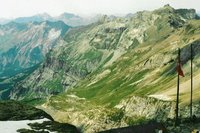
x=177, y=97
x=191, y=83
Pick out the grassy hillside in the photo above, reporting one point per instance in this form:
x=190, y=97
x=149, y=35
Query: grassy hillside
x=89, y=49
x=119, y=71
x=146, y=70
x=124, y=92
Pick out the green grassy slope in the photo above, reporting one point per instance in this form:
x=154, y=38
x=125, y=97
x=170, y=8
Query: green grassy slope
x=124, y=87
x=91, y=48
x=146, y=70
x=111, y=69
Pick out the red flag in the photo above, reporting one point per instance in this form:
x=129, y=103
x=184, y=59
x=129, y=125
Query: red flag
x=179, y=70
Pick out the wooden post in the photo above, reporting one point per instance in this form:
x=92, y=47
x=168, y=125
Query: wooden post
x=177, y=96
x=191, y=83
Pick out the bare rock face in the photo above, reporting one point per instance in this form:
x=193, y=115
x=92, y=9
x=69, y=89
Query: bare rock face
x=92, y=118
x=188, y=13
x=149, y=108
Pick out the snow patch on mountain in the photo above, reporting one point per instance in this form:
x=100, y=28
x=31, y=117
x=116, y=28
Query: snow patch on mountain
x=13, y=126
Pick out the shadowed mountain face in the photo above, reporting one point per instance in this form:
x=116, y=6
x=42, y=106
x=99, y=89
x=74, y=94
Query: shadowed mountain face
x=11, y=110
x=15, y=113
x=118, y=71
x=23, y=47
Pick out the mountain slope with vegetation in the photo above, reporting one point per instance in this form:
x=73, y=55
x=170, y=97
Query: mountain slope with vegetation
x=86, y=49
x=120, y=71
x=23, y=47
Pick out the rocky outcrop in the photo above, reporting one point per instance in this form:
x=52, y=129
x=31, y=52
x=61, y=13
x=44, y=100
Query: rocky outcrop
x=149, y=108
x=132, y=111
x=187, y=13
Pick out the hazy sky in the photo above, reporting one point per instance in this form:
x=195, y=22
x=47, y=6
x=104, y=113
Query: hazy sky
x=19, y=8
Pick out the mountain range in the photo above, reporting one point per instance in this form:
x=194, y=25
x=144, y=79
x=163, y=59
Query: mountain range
x=23, y=46
x=116, y=72
x=68, y=18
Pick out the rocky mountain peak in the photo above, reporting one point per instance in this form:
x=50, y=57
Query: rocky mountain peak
x=184, y=13
x=104, y=18
x=45, y=15
x=168, y=6
x=165, y=9
x=68, y=15
x=187, y=13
